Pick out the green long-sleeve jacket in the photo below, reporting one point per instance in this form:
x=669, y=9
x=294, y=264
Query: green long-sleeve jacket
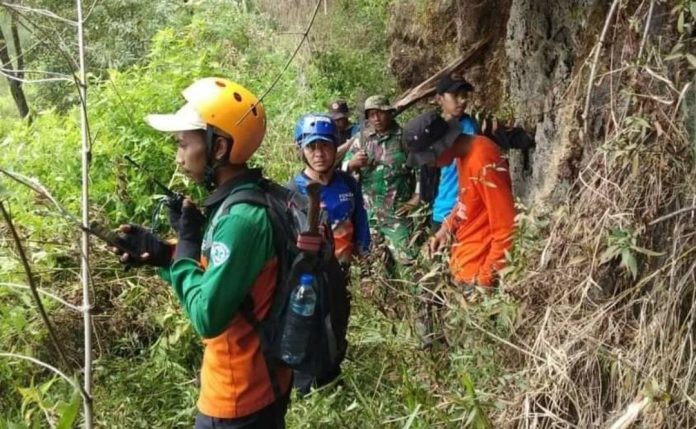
x=234, y=252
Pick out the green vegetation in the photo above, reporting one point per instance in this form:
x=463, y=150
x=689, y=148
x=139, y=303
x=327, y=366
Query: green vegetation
x=598, y=312
x=147, y=355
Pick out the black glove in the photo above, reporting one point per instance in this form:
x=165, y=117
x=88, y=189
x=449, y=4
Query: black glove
x=190, y=231
x=141, y=241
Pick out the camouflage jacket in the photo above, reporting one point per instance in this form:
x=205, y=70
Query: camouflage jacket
x=387, y=181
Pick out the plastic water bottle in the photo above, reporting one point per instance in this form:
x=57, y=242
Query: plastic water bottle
x=299, y=322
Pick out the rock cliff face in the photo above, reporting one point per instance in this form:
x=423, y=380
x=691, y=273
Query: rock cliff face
x=525, y=75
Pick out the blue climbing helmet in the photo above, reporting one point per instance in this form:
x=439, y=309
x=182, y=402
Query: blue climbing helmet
x=313, y=127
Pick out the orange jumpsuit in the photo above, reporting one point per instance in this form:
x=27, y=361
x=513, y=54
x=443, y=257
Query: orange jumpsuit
x=482, y=221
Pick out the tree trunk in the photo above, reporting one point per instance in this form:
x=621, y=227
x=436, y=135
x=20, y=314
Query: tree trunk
x=11, y=73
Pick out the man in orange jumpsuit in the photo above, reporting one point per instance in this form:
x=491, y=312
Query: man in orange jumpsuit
x=482, y=221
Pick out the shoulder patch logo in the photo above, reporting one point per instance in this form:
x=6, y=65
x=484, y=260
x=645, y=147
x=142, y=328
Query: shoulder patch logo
x=219, y=253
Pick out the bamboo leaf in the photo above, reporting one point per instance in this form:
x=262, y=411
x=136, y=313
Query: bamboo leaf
x=680, y=23
x=648, y=252
x=628, y=260
x=677, y=48
x=692, y=60
x=70, y=412
x=675, y=56
x=353, y=406
x=640, y=122
x=412, y=417
x=608, y=254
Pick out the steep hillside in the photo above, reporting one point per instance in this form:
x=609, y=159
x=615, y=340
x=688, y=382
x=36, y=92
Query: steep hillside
x=604, y=265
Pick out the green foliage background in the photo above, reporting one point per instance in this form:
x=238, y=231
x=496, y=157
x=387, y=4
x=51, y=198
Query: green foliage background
x=147, y=355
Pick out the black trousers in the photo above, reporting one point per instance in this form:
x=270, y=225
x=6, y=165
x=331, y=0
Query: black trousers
x=269, y=417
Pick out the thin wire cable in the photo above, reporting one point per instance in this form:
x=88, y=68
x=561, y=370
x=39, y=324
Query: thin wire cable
x=287, y=64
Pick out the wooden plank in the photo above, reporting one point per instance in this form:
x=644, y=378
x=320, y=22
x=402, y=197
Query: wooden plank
x=427, y=87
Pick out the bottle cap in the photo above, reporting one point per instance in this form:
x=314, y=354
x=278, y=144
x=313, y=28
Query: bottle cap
x=306, y=279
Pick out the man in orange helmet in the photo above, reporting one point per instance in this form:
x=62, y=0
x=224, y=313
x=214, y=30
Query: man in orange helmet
x=214, y=271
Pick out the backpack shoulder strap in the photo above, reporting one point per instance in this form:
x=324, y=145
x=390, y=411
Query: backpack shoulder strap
x=252, y=196
x=257, y=197
x=249, y=196
x=292, y=185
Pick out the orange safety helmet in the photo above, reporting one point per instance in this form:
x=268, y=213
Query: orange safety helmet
x=225, y=106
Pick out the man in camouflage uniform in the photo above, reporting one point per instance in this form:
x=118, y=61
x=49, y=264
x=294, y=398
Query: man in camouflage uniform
x=378, y=156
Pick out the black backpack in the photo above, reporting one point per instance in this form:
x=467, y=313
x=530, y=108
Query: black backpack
x=287, y=211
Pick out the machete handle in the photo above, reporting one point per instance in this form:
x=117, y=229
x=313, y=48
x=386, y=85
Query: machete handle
x=314, y=207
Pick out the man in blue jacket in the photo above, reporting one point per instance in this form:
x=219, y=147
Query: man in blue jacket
x=341, y=198
x=341, y=195
x=440, y=186
x=452, y=97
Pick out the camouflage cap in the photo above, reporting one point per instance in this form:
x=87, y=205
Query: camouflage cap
x=377, y=102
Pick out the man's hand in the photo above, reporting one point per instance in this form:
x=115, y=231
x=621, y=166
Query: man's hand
x=190, y=231
x=149, y=249
x=358, y=162
x=193, y=215
x=409, y=205
x=438, y=240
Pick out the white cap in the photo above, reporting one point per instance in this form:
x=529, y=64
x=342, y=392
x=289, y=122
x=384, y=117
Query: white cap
x=185, y=119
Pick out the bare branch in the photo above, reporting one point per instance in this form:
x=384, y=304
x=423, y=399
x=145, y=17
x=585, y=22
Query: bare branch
x=89, y=12
x=37, y=187
x=81, y=82
x=49, y=37
x=595, y=61
x=32, y=285
x=46, y=72
x=16, y=90
x=18, y=47
x=647, y=27
x=43, y=12
x=9, y=75
x=671, y=215
x=44, y=292
x=55, y=370
x=19, y=59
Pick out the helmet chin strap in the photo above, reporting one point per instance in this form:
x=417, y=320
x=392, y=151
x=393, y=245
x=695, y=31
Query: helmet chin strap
x=212, y=165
